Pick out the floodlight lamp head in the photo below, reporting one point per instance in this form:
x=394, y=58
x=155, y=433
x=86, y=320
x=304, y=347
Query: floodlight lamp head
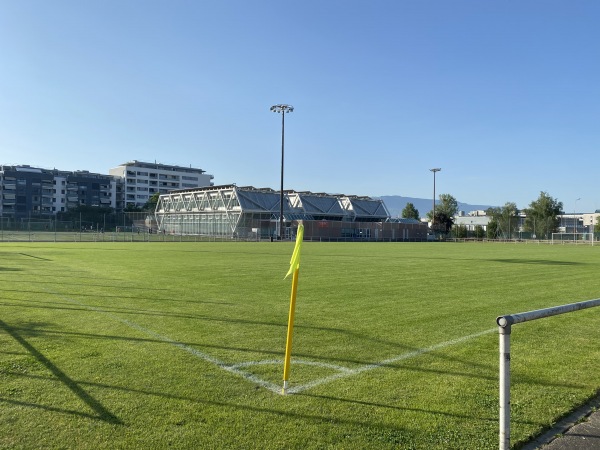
x=437, y=169
x=282, y=108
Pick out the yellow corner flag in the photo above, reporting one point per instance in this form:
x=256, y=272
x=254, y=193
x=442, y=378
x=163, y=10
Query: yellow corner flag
x=294, y=269
x=295, y=261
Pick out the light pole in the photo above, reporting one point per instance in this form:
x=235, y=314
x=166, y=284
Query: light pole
x=433, y=216
x=283, y=109
x=575, y=220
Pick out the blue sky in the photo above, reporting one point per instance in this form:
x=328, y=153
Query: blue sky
x=503, y=96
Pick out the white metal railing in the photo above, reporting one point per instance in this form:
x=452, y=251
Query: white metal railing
x=504, y=328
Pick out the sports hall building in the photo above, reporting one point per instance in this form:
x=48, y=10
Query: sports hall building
x=252, y=213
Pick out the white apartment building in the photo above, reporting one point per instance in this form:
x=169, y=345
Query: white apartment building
x=141, y=180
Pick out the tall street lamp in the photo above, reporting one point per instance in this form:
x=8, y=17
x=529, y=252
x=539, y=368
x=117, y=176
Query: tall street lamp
x=433, y=216
x=575, y=220
x=283, y=109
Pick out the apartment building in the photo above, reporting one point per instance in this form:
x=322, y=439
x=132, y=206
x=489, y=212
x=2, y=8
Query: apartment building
x=27, y=191
x=141, y=180
x=32, y=191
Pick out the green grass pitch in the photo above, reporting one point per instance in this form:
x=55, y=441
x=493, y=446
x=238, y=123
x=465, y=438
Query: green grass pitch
x=180, y=345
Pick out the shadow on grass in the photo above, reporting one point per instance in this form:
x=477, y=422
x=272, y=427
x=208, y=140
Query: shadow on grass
x=35, y=257
x=100, y=411
x=35, y=330
x=233, y=406
x=62, y=277
x=402, y=408
x=544, y=262
x=54, y=409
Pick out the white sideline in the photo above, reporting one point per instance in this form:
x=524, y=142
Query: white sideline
x=342, y=372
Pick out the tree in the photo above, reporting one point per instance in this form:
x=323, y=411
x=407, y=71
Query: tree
x=150, y=205
x=410, y=212
x=542, y=216
x=445, y=211
x=492, y=229
x=504, y=221
x=448, y=205
x=460, y=231
x=84, y=216
x=130, y=207
x=479, y=232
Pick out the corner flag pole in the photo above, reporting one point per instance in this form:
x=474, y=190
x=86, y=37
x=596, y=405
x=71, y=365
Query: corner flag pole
x=295, y=269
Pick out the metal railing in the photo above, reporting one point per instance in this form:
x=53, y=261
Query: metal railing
x=504, y=329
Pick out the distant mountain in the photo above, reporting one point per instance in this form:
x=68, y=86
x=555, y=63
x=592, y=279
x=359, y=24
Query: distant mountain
x=396, y=203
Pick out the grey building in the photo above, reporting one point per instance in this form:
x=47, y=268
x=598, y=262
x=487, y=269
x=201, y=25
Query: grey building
x=31, y=191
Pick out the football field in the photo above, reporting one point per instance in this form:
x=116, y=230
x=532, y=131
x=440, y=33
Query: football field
x=181, y=344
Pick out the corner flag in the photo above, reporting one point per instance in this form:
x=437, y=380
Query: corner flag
x=295, y=261
x=295, y=270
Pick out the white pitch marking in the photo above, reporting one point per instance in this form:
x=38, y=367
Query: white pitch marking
x=413, y=354
x=343, y=372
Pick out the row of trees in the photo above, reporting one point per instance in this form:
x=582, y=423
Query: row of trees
x=541, y=217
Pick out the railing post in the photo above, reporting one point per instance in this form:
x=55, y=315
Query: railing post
x=504, y=333
x=504, y=328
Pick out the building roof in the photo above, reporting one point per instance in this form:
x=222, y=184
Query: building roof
x=297, y=204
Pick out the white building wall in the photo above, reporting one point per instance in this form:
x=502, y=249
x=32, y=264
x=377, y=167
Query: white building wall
x=142, y=180
x=590, y=220
x=59, y=199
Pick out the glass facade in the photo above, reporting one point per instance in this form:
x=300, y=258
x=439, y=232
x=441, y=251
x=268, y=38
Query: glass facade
x=251, y=213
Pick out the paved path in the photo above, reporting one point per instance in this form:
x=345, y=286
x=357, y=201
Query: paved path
x=579, y=431
x=583, y=436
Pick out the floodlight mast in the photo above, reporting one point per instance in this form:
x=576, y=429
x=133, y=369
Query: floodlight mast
x=283, y=109
x=574, y=220
x=433, y=216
